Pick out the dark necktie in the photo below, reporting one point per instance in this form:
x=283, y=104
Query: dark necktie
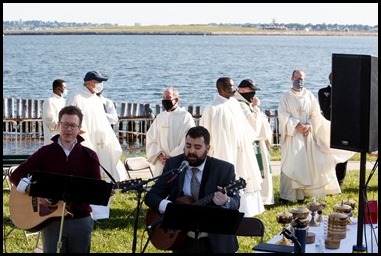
x=195, y=183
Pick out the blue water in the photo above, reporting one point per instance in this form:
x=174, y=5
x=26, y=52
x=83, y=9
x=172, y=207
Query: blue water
x=140, y=66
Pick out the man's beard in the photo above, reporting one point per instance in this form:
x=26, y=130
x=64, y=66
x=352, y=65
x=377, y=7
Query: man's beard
x=195, y=161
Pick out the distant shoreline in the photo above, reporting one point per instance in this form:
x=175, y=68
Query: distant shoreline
x=261, y=33
x=185, y=30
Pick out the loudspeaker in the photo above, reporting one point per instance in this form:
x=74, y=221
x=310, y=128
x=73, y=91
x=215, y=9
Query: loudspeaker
x=354, y=102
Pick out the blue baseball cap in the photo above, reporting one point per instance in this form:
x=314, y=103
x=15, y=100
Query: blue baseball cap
x=95, y=75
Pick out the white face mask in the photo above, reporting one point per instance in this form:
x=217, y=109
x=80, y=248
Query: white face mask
x=64, y=93
x=98, y=87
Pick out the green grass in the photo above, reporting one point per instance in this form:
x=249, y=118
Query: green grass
x=275, y=155
x=116, y=233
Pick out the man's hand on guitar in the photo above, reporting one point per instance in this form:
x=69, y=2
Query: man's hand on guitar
x=49, y=203
x=219, y=197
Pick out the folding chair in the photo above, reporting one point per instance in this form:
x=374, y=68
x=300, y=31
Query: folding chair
x=254, y=227
x=7, y=171
x=139, y=168
x=251, y=226
x=6, y=178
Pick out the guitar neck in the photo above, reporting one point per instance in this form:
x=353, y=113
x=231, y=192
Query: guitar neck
x=232, y=188
x=208, y=199
x=127, y=185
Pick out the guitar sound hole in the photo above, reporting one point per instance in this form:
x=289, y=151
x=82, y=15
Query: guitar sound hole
x=44, y=211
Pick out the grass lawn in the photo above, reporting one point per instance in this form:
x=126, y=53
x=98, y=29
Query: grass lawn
x=116, y=233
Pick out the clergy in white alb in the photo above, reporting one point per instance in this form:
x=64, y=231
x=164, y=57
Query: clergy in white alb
x=98, y=133
x=110, y=110
x=307, y=161
x=263, y=135
x=231, y=140
x=50, y=109
x=166, y=135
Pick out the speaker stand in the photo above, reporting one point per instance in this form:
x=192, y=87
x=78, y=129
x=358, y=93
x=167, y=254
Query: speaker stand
x=360, y=247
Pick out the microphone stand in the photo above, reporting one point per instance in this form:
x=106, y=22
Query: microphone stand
x=104, y=169
x=289, y=235
x=139, y=196
x=139, y=188
x=150, y=230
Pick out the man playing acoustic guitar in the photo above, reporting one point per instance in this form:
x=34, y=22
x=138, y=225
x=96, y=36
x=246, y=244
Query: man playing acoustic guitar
x=212, y=175
x=65, y=155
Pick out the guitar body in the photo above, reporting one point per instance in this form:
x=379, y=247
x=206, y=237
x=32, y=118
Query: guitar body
x=161, y=238
x=169, y=239
x=166, y=239
x=28, y=215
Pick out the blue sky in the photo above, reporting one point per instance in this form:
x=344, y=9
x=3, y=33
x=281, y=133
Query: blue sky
x=195, y=13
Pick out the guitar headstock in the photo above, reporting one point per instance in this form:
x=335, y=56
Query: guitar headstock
x=127, y=185
x=236, y=185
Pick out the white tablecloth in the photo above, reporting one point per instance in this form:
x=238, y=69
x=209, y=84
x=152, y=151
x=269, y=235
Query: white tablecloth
x=346, y=245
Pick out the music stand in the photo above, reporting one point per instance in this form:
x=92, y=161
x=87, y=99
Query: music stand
x=187, y=217
x=69, y=188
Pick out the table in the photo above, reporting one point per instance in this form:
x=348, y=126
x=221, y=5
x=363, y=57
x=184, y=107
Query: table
x=346, y=245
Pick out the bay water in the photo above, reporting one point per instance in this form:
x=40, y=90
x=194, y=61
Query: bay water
x=141, y=66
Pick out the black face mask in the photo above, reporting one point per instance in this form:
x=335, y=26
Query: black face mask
x=248, y=95
x=167, y=104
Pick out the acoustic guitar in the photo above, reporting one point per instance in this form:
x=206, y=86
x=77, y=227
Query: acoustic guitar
x=27, y=214
x=169, y=239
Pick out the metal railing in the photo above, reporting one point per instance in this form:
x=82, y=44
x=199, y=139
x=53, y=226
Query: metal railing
x=130, y=131
x=22, y=122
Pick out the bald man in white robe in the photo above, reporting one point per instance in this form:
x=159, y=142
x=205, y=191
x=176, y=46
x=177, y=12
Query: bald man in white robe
x=307, y=161
x=166, y=135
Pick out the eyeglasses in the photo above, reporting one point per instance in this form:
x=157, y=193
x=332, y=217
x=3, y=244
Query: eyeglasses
x=67, y=125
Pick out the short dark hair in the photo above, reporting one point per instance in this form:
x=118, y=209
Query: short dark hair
x=222, y=83
x=57, y=83
x=199, y=131
x=71, y=110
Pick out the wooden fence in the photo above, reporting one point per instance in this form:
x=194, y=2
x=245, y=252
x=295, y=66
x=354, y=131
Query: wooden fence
x=22, y=121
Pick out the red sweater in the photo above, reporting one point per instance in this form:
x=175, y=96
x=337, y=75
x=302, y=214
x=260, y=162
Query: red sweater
x=52, y=158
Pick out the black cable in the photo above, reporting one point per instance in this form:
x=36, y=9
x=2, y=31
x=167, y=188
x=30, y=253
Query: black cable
x=375, y=166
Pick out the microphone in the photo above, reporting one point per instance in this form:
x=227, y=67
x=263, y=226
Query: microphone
x=184, y=165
